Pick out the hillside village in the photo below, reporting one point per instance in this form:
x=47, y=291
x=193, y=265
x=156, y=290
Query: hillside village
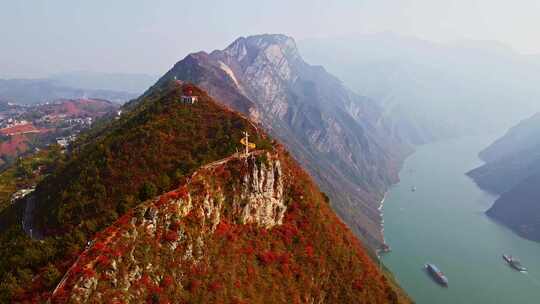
x=25, y=129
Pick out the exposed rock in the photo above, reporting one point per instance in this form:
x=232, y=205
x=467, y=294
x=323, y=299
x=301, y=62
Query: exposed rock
x=260, y=202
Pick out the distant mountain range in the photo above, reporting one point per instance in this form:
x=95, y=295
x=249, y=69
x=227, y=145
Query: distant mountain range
x=33, y=91
x=115, y=87
x=512, y=170
x=443, y=90
x=119, y=82
x=345, y=140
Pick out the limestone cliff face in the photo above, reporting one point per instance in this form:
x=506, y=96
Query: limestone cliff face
x=343, y=139
x=241, y=230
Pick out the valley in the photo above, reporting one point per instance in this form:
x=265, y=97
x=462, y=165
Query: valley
x=268, y=152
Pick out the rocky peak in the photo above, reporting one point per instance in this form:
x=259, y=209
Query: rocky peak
x=271, y=46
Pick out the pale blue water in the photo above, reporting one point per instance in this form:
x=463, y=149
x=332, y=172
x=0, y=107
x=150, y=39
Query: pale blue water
x=443, y=222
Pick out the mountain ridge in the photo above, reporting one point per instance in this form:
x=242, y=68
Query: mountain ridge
x=209, y=208
x=344, y=140
x=253, y=224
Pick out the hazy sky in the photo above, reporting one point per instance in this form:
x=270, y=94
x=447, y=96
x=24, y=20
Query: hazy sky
x=41, y=37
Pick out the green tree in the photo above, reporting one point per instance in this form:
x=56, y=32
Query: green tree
x=51, y=276
x=147, y=191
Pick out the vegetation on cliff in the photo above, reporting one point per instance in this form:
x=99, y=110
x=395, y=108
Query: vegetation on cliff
x=245, y=230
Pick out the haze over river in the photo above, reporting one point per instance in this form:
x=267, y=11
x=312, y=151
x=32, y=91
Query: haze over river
x=443, y=222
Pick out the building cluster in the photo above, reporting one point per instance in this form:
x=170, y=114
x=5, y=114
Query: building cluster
x=10, y=122
x=188, y=99
x=85, y=121
x=49, y=119
x=66, y=140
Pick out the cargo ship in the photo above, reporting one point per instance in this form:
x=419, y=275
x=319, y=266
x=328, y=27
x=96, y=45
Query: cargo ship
x=514, y=263
x=436, y=274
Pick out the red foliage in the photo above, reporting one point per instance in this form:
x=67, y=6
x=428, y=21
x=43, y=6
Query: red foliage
x=171, y=236
x=103, y=261
x=309, y=251
x=194, y=285
x=270, y=257
x=223, y=228
x=167, y=281
x=248, y=250
x=89, y=272
x=125, y=219
x=182, y=192
x=198, y=270
x=287, y=232
x=162, y=200
x=24, y=128
x=358, y=284
x=238, y=301
x=215, y=286
x=175, y=226
x=77, y=269
x=99, y=246
x=14, y=144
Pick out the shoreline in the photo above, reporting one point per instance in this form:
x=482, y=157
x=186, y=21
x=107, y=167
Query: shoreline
x=381, y=214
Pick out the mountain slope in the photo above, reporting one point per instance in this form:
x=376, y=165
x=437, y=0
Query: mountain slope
x=110, y=169
x=146, y=151
x=511, y=158
x=242, y=230
x=512, y=170
x=344, y=140
x=260, y=220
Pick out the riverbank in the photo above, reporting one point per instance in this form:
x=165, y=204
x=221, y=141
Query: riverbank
x=444, y=222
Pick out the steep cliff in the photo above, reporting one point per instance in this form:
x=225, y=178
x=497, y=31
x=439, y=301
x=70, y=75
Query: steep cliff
x=241, y=230
x=512, y=170
x=343, y=139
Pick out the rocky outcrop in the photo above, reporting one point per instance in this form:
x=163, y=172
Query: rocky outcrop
x=261, y=198
x=240, y=230
x=343, y=139
x=258, y=199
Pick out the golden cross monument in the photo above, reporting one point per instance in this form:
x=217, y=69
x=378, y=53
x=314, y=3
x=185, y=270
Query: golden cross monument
x=245, y=141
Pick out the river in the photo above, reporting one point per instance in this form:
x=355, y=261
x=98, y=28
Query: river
x=443, y=222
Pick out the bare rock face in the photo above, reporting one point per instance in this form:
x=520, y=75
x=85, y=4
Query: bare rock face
x=344, y=140
x=261, y=199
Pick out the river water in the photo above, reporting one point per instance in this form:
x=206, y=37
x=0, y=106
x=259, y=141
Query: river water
x=443, y=222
